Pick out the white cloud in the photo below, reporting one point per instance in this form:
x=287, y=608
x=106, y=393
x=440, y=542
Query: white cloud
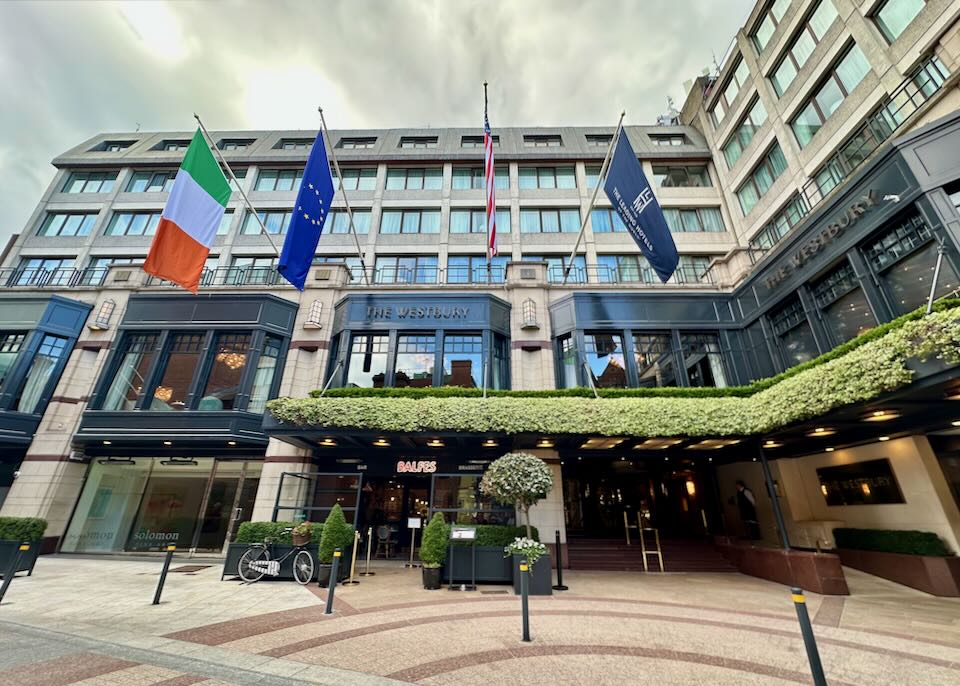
x=69, y=70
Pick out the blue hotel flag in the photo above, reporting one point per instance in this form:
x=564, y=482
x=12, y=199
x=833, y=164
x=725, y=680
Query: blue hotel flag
x=633, y=200
x=309, y=214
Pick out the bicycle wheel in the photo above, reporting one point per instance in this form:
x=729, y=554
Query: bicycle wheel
x=253, y=554
x=303, y=567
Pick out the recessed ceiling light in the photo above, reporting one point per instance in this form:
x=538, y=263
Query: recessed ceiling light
x=545, y=443
x=822, y=431
x=829, y=450
x=231, y=442
x=108, y=442
x=382, y=442
x=770, y=443
x=884, y=438
x=956, y=422
x=435, y=443
x=490, y=443
x=168, y=442
x=328, y=442
x=881, y=416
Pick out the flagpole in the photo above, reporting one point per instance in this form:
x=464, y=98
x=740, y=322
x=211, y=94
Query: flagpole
x=593, y=200
x=489, y=250
x=336, y=166
x=233, y=177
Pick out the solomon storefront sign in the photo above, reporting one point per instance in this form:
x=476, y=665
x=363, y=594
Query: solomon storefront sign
x=816, y=244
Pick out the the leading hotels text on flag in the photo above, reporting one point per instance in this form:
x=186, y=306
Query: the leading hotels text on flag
x=309, y=215
x=632, y=198
x=190, y=218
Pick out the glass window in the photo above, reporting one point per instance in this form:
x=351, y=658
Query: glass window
x=414, y=179
x=849, y=316
x=52, y=349
x=623, y=269
x=410, y=221
x=133, y=224
x=549, y=221
x=43, y=271
x=703, y=360
x=569, y=363
x=338, y=221
x=58, y=224
x=10, y=345
x=745, y=131
x=461, y=496
x=605, y=220
x=415, y=360
x=418, y=142
x=895, y=15
x=356, y=179
x=279, y=180
x=356, y=143
x=908, y=281
x=680, y=177
x=367, y=365
x=694, y=220
x=542, y=141
x=803, y=45
x=653, y=353
x=473, y=269
x=406, y=269
x=763, y=176
x=547, y=177
x=276, y=222
x=792, y=328
x=90, y=182
x=604, y=355
x=131, y=373
x=556, y=264
x=463, y=360
x=768, y=25
x=231, y=351
x=182, y=356
x=466, y=178
x=896, y=243
x=848, y=73
x=475, y=221
x=151, y=182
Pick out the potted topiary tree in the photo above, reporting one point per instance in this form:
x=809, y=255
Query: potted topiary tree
x=336, y=534
x=522, y=479
x=433, y=550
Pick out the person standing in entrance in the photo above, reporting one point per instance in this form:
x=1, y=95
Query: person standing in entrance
x=748, y=510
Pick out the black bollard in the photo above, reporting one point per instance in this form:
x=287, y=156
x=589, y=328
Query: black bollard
x=809, y=642
x=12, y=569
x=332, y=584
x=559, y=586
x=163, y=573
x=524, y=600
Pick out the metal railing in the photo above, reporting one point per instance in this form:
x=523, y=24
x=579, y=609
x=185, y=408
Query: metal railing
x=910, y=95
x=63, y=277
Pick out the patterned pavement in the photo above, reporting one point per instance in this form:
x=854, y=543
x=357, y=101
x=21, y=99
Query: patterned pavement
x=610, y=628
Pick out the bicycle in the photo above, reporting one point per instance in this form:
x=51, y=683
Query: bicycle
x=256, y=562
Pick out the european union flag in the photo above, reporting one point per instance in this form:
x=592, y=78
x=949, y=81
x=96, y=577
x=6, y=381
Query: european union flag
x=309, y=215
x=633, y=200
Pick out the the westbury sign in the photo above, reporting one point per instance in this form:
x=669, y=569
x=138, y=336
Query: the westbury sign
x=390, y=312
x=815, y=245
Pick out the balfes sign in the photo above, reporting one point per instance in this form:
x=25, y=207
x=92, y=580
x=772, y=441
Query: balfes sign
x=815, y=245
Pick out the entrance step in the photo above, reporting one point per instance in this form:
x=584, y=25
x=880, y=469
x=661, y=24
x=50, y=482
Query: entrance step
x=679, y=555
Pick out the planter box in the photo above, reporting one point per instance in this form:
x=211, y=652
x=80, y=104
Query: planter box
x=493, y=566
x=236, y=550
x=9, y=549
x=817, y=572
x=540, y=576
x=938, y=576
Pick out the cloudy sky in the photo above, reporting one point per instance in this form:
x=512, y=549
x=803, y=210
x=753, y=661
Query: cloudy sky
x=73, y=69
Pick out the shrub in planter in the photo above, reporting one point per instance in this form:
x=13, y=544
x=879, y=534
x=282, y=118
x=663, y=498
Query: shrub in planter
x=433, y=550
x=891, y=541
x=336, y=534
x=518, y=479
x=302, y=533
x=258, y=532
x=22, y=529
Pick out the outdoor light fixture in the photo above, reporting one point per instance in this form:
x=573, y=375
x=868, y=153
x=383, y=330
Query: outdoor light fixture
x=528, y=310
x=490, y=443
x=545, y=443
x=382, y=442
x=770, y=443
x=884, y=438
x=829, y=450
x=821, y=431
x=101, y=320
x=881, y=416
x=313, y=316
x=691, y=487
x=108, y=442
x=328, y=442
x=231, y=442
x=435, y=443
x=168, y=442
x=180, y=462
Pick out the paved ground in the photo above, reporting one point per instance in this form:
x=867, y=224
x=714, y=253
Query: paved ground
x=90, y=622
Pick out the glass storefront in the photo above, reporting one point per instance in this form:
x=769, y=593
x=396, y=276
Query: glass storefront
x=143, y=504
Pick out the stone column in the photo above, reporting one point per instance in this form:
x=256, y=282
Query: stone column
x=548, y=514
x=282, y=457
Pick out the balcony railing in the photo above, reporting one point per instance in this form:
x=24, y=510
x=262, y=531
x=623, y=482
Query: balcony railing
x=64, y=277
x=879, y=127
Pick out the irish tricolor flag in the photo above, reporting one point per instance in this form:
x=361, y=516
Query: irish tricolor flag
x=190, y=219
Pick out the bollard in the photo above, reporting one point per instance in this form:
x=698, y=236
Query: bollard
x=332, y=584
x=163, y=573
x=524, y=604
x=353, y=560
x=559, y=586
x=809, y=642
x=366, y=571
x=12, y=569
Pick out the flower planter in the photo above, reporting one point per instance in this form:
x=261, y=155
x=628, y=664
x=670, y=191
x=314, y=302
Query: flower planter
x=301, y=539
x=939, y=576
x=431, y=578
x=9, y=550
x=343, y=571
x=817, y=572
x=540, y=576
x=493, y=566
x=235, y=551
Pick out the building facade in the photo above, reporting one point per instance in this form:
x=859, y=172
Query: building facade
x=810, y=185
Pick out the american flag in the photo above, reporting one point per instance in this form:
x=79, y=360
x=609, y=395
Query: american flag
x=490, y=183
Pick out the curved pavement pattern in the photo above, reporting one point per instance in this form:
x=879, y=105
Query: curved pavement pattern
x=610, y=628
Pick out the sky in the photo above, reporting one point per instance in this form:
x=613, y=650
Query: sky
x=70, y=70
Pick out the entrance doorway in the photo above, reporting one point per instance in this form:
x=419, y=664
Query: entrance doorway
x=386, y=503
x=677, y=499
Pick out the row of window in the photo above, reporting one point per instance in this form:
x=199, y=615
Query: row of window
x=28, y=395
x=413, y=178
x=761, y=178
